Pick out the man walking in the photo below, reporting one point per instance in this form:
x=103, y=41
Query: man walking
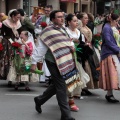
x=55, y=44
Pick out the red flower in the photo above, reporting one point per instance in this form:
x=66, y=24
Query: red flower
x=97, y=35
x=1, y=47
x=16, y=44
x=43, y=24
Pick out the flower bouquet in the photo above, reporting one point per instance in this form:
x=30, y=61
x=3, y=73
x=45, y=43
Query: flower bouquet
x=16, y=47
x=43, y=24
x=97, y=40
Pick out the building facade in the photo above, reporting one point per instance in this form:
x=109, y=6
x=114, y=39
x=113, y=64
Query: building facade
x=27, y=5
x=69, y=6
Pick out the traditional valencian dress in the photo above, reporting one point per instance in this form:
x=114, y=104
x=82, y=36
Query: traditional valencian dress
x=8, y=31
x=110, y=62
x=84, y=77
x=89, y=62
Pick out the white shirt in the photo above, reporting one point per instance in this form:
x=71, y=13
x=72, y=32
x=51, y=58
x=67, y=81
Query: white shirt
x=75, y=35
x=39, y=52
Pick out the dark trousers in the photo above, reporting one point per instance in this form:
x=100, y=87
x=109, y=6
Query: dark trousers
x=57, y=87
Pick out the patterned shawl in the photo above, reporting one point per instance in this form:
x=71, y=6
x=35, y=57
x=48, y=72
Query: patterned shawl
x=60, y=45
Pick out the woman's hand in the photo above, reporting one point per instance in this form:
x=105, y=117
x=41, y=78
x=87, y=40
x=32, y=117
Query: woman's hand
x=88, y=44
x=23, y=41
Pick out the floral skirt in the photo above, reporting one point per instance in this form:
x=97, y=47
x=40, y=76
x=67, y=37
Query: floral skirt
x=109, y=73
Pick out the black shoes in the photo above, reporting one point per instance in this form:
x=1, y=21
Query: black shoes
x=86, y=92
x=37, y=105
x=111, y=99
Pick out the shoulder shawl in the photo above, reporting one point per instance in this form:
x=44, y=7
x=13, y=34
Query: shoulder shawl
x=60, y=45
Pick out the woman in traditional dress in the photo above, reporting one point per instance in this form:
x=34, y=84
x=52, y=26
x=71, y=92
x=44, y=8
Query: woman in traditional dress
x=110, y=60
x=10, y=30
x=74, y=34
x=88, y=57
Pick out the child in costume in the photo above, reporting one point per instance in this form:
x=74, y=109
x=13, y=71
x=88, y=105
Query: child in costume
x=23, y=49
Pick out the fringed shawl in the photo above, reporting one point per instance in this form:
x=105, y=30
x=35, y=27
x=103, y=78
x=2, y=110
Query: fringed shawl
x=60, y=45
x=87, y=33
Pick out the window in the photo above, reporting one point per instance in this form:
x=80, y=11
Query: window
x=26, y=6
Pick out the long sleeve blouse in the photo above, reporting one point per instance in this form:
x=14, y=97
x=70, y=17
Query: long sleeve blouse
x=109, y=45
x=39, y=52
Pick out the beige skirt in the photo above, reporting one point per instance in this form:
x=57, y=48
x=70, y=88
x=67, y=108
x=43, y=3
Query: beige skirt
x=109, y=73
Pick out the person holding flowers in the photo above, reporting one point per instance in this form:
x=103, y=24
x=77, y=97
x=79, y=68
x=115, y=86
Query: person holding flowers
x=42, y=22
x=74, y=34
x=23, y=49
x=11, y=27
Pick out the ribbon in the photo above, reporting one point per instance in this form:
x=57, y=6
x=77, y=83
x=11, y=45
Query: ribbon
x=96, y=43
x=78, y=49
x=27, y=69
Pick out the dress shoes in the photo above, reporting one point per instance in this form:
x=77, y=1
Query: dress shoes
x=37, y=105
x=111, y=99
x=86, y=92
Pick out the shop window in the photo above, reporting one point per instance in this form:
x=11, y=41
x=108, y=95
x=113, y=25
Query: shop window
x=75, y=7
x=26, y=6
x=63, y=6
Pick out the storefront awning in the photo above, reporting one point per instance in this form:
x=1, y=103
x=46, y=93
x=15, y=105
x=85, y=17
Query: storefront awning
x=68, y=1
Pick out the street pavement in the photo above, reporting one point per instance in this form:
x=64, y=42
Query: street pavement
x=19, y=105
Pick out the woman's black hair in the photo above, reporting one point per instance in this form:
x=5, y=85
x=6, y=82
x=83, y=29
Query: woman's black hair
x=14, y=13
x=21, y=11
x=114, y=16
x=107, y=18
x=69, y=18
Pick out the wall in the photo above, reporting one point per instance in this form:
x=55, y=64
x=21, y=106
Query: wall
x=14, y=4
x=70, y=7
x=54, y=3
x=2, y=6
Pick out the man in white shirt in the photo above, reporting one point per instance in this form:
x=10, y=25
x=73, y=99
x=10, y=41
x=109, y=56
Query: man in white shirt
x=46, y=17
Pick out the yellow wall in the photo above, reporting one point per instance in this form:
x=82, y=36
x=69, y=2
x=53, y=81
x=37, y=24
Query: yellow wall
x=70, y=7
